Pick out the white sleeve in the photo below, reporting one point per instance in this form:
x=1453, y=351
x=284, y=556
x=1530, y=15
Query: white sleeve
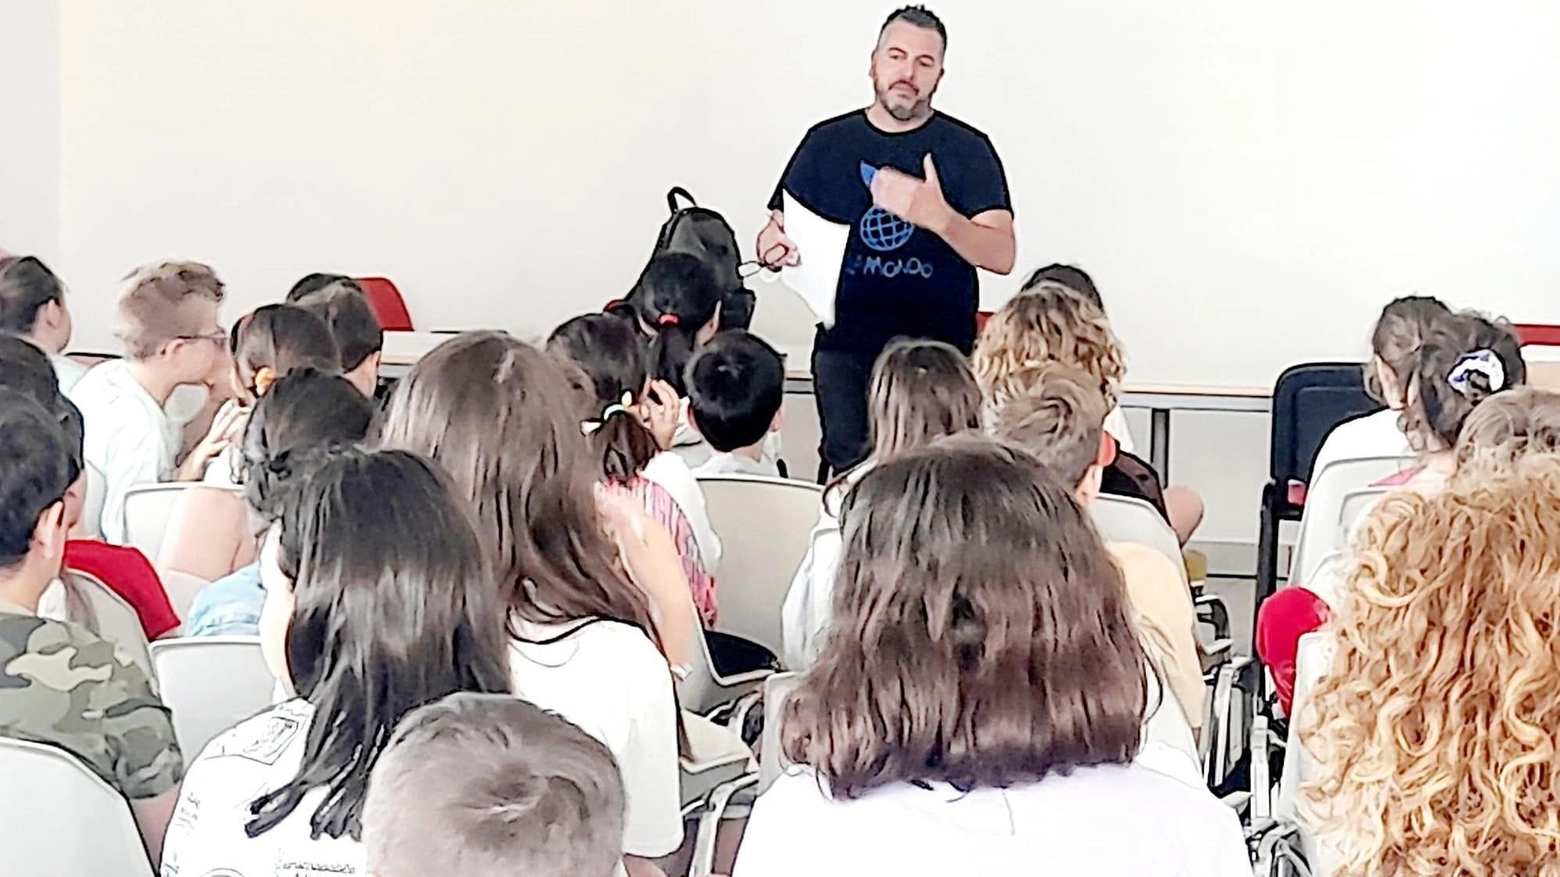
x=777, y=841
x=805, y=615
x=648, y=760
x=671, y=472
x=131, y=455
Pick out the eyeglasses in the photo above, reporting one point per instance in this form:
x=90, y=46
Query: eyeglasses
x=219, y=336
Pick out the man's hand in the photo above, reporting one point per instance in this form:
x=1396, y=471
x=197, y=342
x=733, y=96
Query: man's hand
x=918, y=202
x=774, y=248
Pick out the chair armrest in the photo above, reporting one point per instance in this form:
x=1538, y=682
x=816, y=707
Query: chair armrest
x=709, y=822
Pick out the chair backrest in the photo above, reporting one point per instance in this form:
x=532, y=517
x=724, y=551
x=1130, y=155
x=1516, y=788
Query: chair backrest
x=764, y=525
x=1319, y=531
x=1308, y=401
x=92, y=503
x=771, y=761
x=1356, y=504
x=1127, y=519
x=83, y=599
x=1538, y=334
x=211, y=684
x=59, y=819
x=1315, y=654
x=148, y=508
x=388, y=305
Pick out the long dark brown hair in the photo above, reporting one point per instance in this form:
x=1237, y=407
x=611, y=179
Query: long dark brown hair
x=921, y=390
x=502, y=417
x=981, y=634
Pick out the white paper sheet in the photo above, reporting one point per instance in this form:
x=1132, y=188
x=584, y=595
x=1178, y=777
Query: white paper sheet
x=821, y=244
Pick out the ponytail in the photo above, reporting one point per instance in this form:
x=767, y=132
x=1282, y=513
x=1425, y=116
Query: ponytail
x=675, y=299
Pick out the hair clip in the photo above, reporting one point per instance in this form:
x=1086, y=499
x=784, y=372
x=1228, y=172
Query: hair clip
x=668, y=320
x=1479, y=362
x=625, y=406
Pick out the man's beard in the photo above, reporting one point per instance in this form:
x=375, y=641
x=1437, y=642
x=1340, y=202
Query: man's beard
x=901, y=111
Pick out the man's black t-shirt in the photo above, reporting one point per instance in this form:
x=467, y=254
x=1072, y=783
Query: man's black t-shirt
x=896, y=279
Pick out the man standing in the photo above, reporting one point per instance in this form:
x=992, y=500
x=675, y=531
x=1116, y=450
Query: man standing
x=927, y=202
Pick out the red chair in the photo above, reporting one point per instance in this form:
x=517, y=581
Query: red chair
x=980, y=320
x=387, y=303
x=1534, y=333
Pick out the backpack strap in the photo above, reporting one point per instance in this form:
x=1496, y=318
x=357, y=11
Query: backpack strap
x=672, y=196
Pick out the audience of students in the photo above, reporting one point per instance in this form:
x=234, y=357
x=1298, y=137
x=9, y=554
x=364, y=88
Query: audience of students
x=979, y=711
x=920, y=391
x=32, y=305
x=492, y=786
x=59, y=683
x=631, y=421
x=168, y=324
x=340, y=302
x=301, y=418
x=379, y=599
x=736, y=387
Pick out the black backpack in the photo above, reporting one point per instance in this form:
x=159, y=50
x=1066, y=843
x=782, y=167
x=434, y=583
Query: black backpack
x=702, y=232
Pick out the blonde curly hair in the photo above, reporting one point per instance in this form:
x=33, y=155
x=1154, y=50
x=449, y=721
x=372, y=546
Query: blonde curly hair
x=1045, y=323
x=1435, y=728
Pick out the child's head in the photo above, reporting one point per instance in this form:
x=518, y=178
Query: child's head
x=1401, y=330
x=340, y=302
x=306, y=415
x=485, y=785
x=1057, y=414
x=1070, y=276
x=503, y=419
x=1509, y=425
x=921, y=390
x=736, y=387
x=378, y=600
x=32, y=303
x=168, y=317
x=1464, y=360
x=677, y=302
x=36, y=471
x=611, y=353
x=25, y=368
x=981, y=632
x=1049, y=322
x=275, y=340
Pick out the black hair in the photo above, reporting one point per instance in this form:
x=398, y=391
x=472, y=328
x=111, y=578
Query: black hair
x=919, y=16
x=26, y=285
x=317, y=281
x=345, y=309
x=27, y=370
x=395, y=606
x=611, y=354
x=36, y=469
x=736, y=385
x=1070, y=276
x=675, y=297
x=1436, y=405
x=282, y=338
x=305, y=415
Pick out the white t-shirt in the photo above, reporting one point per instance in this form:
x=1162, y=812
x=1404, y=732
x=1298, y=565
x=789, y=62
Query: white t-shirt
x=262, y=754
x=809, y=602
x=727, y=463
x=672, y=473
x=1106, y=821
x=67, y=371
x=129, y=438
x=609, y=679
x=1374, y=435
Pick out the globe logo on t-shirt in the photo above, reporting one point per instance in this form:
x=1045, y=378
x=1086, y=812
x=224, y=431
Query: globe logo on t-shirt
x=881, y=230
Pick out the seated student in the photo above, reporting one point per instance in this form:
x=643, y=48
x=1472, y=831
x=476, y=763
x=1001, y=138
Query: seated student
x=168, y=323
x=1049, y=322
x=1508, y=426
x=593, y=625
x=379, y=599
x=340, y=302
x=485, y=785
x=980, y=710
x=622, y=413
x=60, y=684
x=303, y=416
x=32, y=304
x=736, y=387
x=1400, y=332
x=1433, y=729
x=921, y=391
x=1057, y=414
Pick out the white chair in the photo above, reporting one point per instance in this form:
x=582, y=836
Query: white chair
x=1126, y=519
x=771, y=761
x=1356, y=505
x=211, y=684
x=1324, y=505
x=83, y=599
x=181, y=588
x=764, y=525
x=1315, y=655
x=59, y=819
x=92, y=503
x=702, y=689
x=148, y=508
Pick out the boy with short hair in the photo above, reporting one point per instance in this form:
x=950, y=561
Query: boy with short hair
x=736, y=387
x=488, y=785
x=168, y=323
x=340, y=302
x=60, y=684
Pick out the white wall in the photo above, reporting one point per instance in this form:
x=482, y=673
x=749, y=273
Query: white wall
x=29, y=127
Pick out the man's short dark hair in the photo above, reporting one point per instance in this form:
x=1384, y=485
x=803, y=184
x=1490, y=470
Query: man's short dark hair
x=35, y=471
x=26, y=285
x=345, y=309
x=736, y=385
x=316, y=282
x=919, y=16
